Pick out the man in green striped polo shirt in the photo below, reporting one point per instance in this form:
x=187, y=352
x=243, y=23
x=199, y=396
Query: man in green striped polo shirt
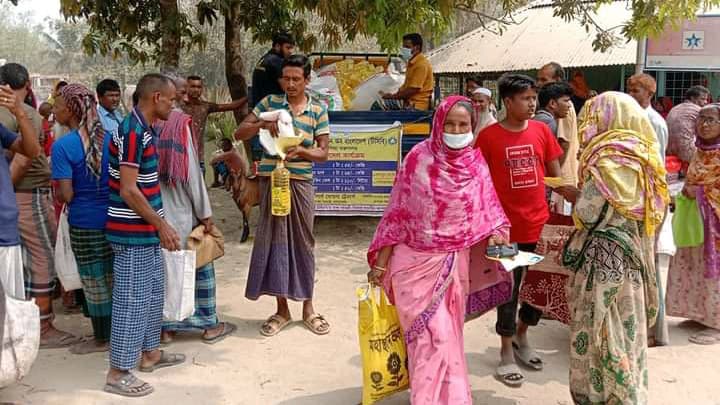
x=283, y=259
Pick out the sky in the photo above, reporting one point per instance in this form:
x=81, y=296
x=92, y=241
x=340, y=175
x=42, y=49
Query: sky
x=40, y=8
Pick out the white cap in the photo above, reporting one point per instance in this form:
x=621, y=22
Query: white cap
x=483, y=90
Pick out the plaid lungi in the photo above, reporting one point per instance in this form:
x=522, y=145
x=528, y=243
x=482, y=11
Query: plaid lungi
x=138, y=294
x=283, y=257
x=94, y=258
x=38, y=227
x=204, y=316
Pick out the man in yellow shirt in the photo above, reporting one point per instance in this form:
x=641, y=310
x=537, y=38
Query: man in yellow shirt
x=417, y=90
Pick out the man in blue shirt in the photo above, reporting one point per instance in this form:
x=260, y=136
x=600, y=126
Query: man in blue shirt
x=27, y=145
x=108, y=94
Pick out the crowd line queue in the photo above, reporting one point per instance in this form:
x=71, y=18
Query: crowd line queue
x=133, y=185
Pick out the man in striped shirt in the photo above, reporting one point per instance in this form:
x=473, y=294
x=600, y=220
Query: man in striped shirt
x=283, y=261
x=136, y=230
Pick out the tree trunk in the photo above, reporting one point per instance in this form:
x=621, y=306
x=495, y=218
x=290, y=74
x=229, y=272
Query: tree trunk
x=234, y=67
x=171, y=43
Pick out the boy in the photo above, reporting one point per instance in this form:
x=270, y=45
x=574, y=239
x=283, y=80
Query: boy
x=520, y=153
x=554, y=103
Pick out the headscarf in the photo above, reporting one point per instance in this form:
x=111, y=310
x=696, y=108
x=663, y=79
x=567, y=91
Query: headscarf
x=443, y=200
x=172, y=148
x=619, y=151
x=81, y=103
x=704, y=171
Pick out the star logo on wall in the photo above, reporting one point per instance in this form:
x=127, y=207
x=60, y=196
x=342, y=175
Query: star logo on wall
x=693, y=40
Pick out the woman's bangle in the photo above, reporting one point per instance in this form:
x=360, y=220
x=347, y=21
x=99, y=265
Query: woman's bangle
x=379, y=269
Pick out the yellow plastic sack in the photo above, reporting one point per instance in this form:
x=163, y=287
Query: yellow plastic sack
x=382, y=344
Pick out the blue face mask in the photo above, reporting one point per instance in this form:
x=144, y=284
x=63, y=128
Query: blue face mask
x=405, y=53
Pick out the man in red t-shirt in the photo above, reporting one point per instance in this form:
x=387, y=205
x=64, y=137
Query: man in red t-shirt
x=520, y=153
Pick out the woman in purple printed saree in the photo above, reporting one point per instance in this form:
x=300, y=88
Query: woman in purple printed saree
x=429, y=252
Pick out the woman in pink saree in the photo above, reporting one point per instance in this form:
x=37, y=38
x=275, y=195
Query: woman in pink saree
x=429, y=252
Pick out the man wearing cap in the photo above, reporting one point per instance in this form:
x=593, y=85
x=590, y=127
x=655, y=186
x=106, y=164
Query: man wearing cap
x=484, y=108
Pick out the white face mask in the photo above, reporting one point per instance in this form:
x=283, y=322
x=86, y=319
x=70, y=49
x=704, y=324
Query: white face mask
x=405, y=53
x=458, y=141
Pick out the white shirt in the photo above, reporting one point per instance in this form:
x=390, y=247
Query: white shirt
x=661, y=130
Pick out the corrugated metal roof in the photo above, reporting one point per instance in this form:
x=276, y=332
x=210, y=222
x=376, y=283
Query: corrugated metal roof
x=537, y=39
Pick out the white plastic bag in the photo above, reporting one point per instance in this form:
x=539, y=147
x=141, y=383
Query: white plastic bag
x=11, y=272
x=179, y=284
x=369, y=91
x=666, y=241
x=326, y=90
x=21, y=340
x=65, y=263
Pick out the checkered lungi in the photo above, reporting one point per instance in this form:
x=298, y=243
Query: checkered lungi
x=38, y=227
x=138, y=294
x=95, y=263
x=204, y=316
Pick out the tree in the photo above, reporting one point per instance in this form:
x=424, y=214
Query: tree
x=148, y=30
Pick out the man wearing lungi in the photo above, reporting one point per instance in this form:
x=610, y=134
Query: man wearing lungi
x=27, y=145
x=136, y=230
x=283, y=260
x=36, y=221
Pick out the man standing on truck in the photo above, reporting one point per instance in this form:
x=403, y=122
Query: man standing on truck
x=416, y=92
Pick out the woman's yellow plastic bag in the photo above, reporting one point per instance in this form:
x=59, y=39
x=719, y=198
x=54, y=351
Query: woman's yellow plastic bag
x=382, y=344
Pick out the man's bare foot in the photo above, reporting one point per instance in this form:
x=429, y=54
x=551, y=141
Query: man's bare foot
x=90, y=346
x=167, y=337
x=52, y=338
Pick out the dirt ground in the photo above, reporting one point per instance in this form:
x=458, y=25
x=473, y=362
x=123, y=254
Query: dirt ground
x=299, y=368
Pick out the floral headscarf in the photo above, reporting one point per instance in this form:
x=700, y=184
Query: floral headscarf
x=704, y=171
x=620, y=152
x=81, y=103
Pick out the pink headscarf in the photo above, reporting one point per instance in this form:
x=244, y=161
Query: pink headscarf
x=443, y=200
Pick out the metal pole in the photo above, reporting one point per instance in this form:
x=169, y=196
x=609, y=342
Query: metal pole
x=640, y=59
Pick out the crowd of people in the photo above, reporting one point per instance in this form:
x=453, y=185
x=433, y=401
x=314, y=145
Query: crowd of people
x=428, y=252
x=132, y=185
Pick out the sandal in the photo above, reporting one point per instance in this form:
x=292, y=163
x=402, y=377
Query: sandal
x=528, y=357
x=58, y=340
x=706, y=337
x=227, y=330
x=129, y=386
x=510, y=375
x=321, y=327
x=166, y=360
x=274, y=325
x=88, y=346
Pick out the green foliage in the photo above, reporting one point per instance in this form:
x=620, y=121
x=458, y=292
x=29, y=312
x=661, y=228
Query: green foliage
x=132, y=28
x=649, y=18
x=128, y=27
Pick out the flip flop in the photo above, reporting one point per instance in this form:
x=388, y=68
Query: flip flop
x=228, y=329
x=528, y=357
x=510, y=375
x=129, y=386
x=60, y=340
x=318, y=330
x=166, y=360
x=706, y=338
x=268, y=330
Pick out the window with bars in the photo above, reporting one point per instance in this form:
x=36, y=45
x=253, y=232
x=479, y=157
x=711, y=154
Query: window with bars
x=450, y=85
x=676, y=83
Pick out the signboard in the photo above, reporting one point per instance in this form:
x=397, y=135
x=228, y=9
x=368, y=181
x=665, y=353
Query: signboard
x=360, y=171
x=693, y=46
